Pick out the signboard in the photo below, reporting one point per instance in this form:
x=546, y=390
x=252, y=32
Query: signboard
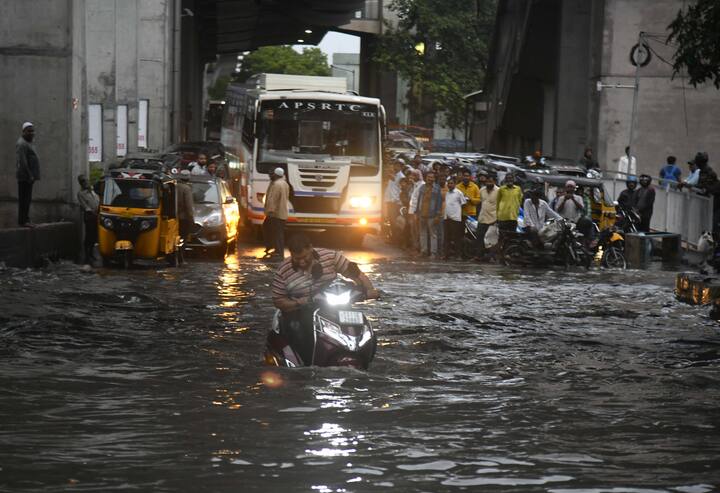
x=94, y=133
x=121, y=130
x=143, y=105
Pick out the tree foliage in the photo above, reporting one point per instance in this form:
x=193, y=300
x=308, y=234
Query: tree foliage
x=697, y=34
x=441, y=48
x=217, y=91
x=284, y=60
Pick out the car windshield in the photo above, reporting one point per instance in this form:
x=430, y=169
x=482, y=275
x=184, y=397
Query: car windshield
x=317, y=130
x=141, y=194
x=205, y=192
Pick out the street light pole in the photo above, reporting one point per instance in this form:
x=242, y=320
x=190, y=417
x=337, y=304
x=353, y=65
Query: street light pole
x=347, y=70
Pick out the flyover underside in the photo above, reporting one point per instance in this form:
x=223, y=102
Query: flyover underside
x=231, y=26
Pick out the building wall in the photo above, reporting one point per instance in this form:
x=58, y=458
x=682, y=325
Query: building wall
x=592, y=43
x=672, y=117
x=58, y=56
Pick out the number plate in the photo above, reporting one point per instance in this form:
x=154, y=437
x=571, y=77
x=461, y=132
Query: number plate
x=350, y=318
x=314, y=220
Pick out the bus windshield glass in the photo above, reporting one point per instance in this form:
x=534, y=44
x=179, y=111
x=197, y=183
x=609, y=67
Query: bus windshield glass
x=317, y=130
x=140, y=194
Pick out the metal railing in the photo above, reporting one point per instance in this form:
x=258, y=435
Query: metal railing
x=675, y=211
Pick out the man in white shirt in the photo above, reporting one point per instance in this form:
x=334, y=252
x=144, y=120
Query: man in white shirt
x=392, y=195
x=536, y=213
x=417, y=179
x=570, y=205
x=454, y=200
x=627, y=165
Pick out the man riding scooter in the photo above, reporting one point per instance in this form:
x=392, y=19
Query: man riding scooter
x=298, y=278
x=536, y=213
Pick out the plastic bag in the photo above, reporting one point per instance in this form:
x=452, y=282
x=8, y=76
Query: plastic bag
x=492, y=236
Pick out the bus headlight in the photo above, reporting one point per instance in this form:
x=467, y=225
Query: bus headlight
x=361, y=202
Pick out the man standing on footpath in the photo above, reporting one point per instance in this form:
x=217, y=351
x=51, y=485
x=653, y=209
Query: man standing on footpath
x=28, y=172
x=670, y=173
x=709, y=185
x=276, y=210
x=509, y=200
x=90, y=203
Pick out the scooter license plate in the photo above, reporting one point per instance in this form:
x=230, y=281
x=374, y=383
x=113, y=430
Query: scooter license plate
x=350, y=318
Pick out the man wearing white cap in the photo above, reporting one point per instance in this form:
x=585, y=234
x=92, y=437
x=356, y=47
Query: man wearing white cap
x=276, y=212
x=28, y=172
x=570, y=205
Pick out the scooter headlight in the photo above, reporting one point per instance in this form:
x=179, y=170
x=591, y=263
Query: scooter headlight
x=333, y=331
x=338, y=299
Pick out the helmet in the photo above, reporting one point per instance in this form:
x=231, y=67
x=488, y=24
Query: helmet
x=701, y=158
x=631, y=179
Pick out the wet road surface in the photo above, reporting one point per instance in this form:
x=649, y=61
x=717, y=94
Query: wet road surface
x=486, y=379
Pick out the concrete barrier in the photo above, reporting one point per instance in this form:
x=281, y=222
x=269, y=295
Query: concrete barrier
x=34, y=247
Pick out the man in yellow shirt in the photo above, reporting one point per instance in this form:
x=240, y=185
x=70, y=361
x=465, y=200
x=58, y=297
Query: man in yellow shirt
x=471, y=192
x=509, y=199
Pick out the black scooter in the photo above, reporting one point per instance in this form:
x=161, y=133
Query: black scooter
x=342, y=335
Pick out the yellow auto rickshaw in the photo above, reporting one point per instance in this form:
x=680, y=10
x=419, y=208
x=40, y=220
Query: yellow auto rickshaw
x=138, y=217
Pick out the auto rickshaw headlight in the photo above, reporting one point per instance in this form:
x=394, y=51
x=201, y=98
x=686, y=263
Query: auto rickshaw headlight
x=145, y=225
x=107, y=223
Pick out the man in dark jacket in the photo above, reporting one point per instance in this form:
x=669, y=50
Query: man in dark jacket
x=644, y=202
x=186, y=215
x=708, y=184
x=28, y=172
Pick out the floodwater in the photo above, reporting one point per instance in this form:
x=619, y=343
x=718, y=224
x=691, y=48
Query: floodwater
x=486, y=379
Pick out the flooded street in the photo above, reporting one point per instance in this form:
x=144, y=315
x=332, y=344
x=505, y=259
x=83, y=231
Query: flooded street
x=486, y=378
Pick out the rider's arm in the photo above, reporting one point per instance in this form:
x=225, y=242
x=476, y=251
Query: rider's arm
x=352, y=271
x=281, y=298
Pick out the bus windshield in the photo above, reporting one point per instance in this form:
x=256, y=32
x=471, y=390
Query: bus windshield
x=141, y=194
x=318, y=130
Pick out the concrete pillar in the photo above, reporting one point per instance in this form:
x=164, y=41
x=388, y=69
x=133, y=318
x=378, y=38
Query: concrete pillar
x=573, y=82
x=548, y=125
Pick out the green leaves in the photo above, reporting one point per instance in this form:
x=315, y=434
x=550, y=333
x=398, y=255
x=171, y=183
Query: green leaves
x=284, y=60
x=455, y=35
x=697, y=34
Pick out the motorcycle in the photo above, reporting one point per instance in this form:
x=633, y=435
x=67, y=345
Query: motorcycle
x=342, y=336
x=562, y=245
x=610, y=247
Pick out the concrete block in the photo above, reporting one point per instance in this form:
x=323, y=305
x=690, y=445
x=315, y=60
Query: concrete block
x=32, y=247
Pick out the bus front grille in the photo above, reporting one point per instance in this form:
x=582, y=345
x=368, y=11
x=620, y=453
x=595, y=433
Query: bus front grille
x=316, y=205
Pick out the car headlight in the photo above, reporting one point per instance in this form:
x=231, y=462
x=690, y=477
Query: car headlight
x=213, y=219
x=361, y=202
x=107, y=223
x=337, y=299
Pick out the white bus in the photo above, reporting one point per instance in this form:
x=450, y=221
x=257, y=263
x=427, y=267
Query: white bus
x=329, y=143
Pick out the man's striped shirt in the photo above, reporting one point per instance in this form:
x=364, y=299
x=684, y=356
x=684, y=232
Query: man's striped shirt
x=296, y=283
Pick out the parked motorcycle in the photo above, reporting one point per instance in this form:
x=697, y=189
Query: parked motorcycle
x=562, y=245
x=610, y=248
x=342, y=335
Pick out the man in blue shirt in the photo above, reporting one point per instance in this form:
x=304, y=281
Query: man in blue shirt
x=670, y=173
